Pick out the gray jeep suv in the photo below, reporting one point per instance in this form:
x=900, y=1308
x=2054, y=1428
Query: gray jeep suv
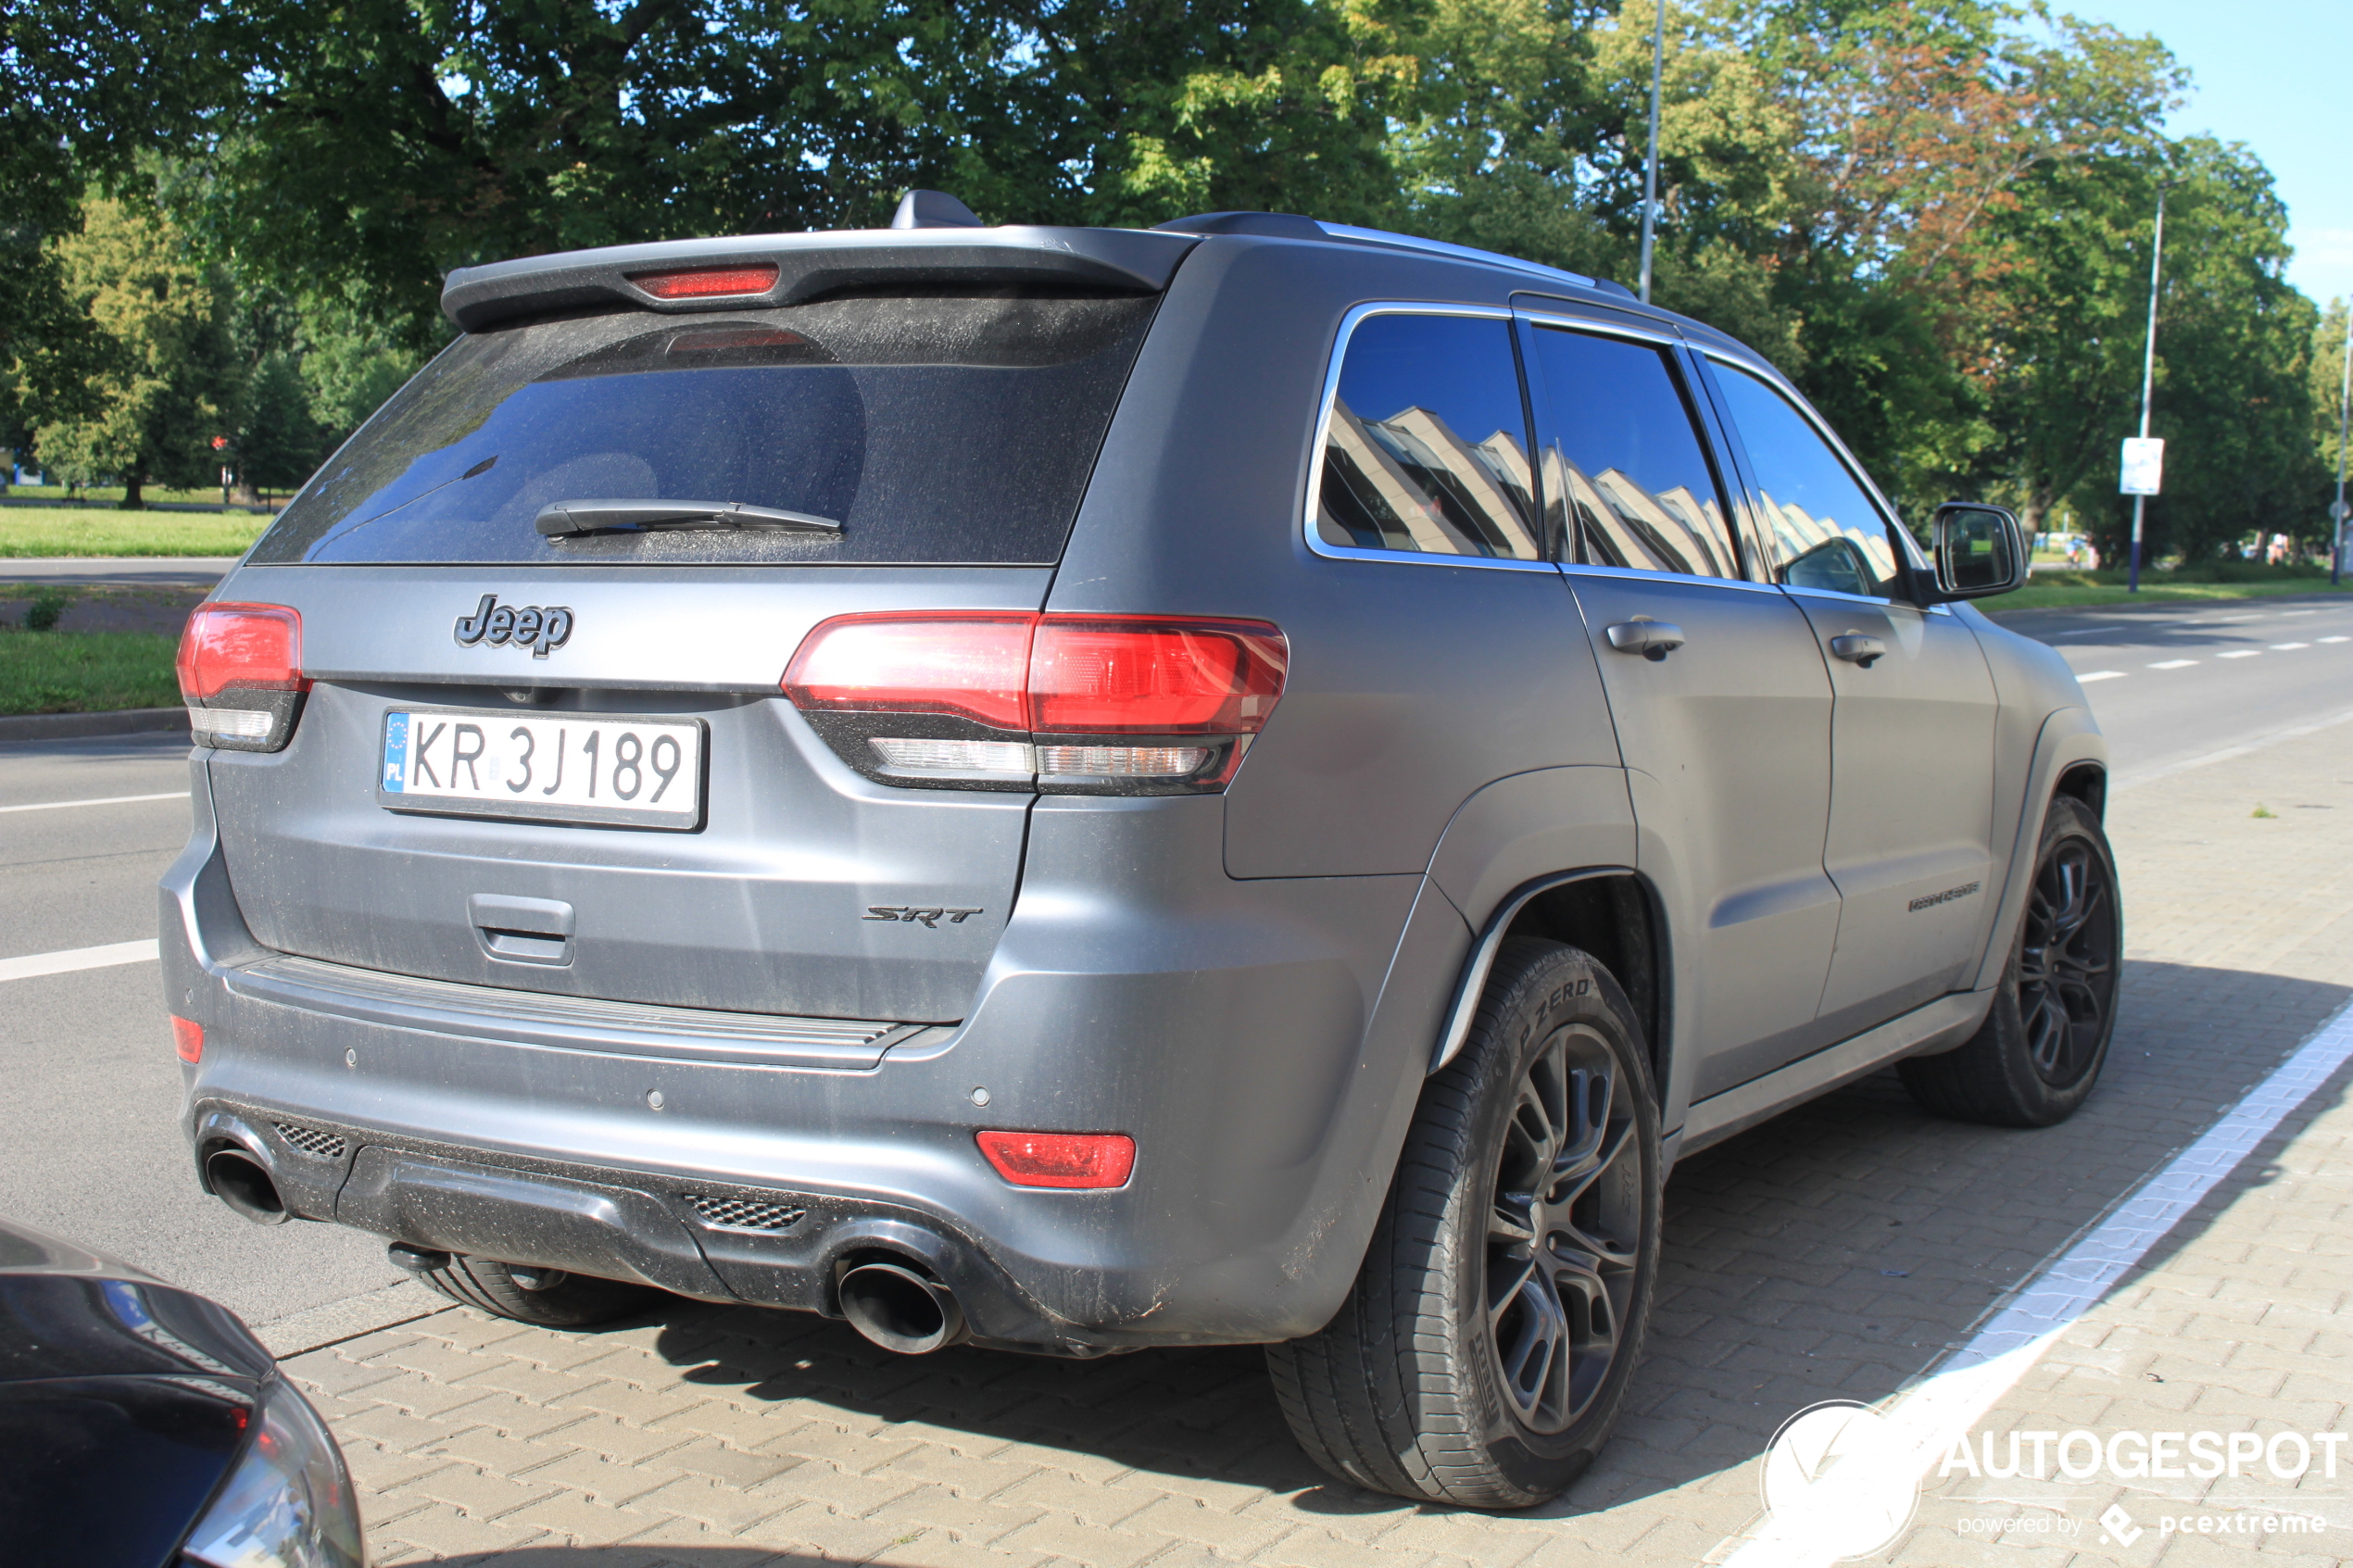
x=1068, y=790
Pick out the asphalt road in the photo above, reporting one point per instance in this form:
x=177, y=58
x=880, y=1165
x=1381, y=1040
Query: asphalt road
x=2176, y=683
x=90, y=1089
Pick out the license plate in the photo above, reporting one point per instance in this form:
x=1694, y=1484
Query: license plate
x=568, y=768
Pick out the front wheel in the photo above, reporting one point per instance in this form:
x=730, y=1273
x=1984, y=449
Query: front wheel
x=2035, y=1059
x=1485, y=1350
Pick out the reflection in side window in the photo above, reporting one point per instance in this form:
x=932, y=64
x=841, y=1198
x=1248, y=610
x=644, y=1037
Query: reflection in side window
x=1825, y=532
x=1427, y=449
x=1625, y=474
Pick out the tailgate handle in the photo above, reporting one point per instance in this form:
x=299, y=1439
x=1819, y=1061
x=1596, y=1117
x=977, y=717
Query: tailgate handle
x=522, y=930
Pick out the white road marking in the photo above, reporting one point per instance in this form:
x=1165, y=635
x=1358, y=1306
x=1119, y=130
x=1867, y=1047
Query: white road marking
x=2337, y=639
x=101, y=800
x=2101, y=675
x=2283, y=647
x=2241, y=653
x=33, y=964
x=2174, y=664
x=2085, y=631
x=2167, y=770
x=1942, y=1408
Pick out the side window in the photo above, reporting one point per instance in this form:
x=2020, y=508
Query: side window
x=1825, y=533
x=1427, y=449
x=1625, y=474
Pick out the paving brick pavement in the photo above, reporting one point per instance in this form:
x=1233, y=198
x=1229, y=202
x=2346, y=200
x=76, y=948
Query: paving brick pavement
x=1833, y=1253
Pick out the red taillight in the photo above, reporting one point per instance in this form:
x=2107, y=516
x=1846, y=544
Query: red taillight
x=704, y=283
x=254, y=647
x=1060, y=1159
x=1051, y=673
x=974, y=666
x=188, y=1039
x=1137, y=675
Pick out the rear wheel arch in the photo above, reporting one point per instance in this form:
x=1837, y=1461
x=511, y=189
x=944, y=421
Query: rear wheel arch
x=1609, y=913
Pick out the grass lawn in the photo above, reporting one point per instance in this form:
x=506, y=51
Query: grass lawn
x=73, y=531
x=86, y=672
x=2055, y=590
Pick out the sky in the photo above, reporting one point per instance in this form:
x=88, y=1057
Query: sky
x=2272, y=74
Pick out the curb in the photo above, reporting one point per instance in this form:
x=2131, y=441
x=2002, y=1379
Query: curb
x=73, y=726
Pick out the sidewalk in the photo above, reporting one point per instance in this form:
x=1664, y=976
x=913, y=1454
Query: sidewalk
x=1833, y=1253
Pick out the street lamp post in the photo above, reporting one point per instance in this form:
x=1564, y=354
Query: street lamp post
x=1650, y=163
x=2148, y=376
x=2344, y=419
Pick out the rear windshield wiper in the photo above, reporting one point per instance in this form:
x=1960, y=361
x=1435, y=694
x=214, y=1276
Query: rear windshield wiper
x=560, y=518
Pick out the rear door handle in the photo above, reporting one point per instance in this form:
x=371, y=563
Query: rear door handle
x=1652, y=639
x=1858, y=649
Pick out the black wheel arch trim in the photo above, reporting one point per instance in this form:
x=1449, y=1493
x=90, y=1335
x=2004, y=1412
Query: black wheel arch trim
x=2071, y=759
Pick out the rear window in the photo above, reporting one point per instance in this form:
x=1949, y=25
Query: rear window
x=955, y=429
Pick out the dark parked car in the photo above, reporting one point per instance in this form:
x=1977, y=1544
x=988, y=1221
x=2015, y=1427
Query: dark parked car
x=1078, y=789
x=141, y=1426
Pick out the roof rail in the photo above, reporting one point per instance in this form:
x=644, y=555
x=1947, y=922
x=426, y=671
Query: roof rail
x=1292, y=226
x=1467, y=252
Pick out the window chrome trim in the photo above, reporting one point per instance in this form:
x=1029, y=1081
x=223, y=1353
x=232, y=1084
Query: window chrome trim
x=1600, y=329
x=1316, y=544
x=1842, y=596
x=1643, y=575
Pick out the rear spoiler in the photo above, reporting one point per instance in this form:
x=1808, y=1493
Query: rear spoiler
x=1116, y=260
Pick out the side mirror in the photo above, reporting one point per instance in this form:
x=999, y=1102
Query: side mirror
x=1980, y=551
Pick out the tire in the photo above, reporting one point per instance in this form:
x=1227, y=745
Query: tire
x=1414, y=1388
x=2035, y=1059
x=565, y=1300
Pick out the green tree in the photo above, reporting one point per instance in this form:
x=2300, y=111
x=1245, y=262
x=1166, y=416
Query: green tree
x=140, y=390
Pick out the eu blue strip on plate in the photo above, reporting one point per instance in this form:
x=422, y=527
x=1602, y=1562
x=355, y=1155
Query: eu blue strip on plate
x=395, y=751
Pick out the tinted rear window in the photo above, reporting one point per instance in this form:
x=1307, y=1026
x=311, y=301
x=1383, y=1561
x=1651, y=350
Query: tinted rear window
x=951, y=428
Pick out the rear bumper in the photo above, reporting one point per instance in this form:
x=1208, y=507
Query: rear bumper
x=1261, y=1041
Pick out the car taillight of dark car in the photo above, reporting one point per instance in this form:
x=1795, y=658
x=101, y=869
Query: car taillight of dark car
x=1065, y=704
x=241, y=674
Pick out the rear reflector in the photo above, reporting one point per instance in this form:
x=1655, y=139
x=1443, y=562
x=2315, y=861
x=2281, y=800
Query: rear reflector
x=704, y=282
x=1060, y=1159
x=188, y=1039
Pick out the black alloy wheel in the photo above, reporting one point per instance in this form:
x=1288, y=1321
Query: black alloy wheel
x=2066, y=962
x=2039, y=1052
x=1564, y=1233
x=1486, y=1348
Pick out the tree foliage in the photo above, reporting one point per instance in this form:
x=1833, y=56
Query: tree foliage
x=1934, y=213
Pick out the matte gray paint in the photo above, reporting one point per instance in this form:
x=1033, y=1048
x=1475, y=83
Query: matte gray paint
x=1249, y=985
x=1726, y=747
x=1911, y=805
